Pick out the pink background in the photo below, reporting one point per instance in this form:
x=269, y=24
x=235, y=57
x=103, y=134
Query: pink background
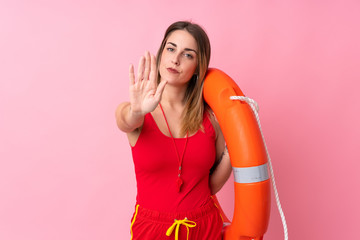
x=66, y=170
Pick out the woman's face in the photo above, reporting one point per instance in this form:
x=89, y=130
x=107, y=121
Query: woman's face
x=179, y=58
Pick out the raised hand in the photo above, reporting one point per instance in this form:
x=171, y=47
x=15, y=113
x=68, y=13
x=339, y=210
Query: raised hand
x=145, y=94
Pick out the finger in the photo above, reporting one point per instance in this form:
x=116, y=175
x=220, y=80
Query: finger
x=140, y=74
x=160, y=90
x=153, y=71
x=131, y=75
x=147, y=65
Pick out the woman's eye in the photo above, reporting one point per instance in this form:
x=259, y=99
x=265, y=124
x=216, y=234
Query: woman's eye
x=170, y=49
x=188, y=55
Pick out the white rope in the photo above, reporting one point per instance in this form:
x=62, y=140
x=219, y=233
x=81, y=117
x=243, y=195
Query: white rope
x=255, y=107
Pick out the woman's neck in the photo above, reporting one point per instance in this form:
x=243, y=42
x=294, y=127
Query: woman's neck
x=173, y=96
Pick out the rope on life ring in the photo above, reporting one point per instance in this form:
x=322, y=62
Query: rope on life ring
x=249, y=157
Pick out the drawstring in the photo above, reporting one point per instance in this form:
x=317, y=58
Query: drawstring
x=188, y=224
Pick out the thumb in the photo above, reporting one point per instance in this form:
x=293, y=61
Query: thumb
x=160, y=90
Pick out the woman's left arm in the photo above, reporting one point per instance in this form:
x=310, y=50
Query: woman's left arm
x=223, y=168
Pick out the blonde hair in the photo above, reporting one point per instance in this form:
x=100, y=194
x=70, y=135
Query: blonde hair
x=192, y=116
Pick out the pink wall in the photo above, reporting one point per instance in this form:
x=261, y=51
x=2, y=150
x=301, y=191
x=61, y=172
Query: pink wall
x=65, y=169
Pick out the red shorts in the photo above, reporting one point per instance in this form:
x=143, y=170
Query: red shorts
x=204, y=223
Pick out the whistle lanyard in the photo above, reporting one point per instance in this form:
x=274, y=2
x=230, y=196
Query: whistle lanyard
x=179, y=181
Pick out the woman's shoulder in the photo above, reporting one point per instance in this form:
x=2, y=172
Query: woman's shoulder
x=134, y=135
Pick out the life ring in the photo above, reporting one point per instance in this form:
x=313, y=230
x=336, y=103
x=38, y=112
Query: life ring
x=248, y=157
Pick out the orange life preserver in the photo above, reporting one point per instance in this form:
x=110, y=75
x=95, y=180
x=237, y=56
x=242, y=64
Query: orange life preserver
x=247, y=154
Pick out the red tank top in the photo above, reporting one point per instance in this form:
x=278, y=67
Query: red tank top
x=156, y=168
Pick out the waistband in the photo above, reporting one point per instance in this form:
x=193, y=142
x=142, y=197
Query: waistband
x=193, y=215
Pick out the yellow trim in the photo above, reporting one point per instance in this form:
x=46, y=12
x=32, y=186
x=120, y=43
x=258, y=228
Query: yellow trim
x=133, y=221
x=219, y=209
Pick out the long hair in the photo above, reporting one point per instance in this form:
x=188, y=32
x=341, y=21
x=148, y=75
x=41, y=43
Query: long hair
x=192, y=116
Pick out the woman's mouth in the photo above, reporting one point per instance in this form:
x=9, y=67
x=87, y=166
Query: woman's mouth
x=172, y=70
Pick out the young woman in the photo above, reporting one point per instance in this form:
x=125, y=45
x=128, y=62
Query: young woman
x=177, y=145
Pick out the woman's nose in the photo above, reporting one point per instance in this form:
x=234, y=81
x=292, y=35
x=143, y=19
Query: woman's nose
x=175, y=59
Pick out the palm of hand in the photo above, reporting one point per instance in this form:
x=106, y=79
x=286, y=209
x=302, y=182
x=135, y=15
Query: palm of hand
x=142, y=96
x=145, y=95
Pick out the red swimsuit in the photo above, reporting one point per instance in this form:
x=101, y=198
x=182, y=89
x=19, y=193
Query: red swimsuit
x=156, y=168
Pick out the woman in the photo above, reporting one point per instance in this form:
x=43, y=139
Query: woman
x=177, y=145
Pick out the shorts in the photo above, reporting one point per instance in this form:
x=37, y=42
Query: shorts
x=204, y=223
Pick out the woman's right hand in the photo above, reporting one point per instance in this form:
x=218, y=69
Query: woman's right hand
x=145, y=94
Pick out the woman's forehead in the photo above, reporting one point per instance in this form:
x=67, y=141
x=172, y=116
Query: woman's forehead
x=182, y=39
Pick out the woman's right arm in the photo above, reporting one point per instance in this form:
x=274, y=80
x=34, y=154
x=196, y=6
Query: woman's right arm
x=145, y=95
x=126, y=119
